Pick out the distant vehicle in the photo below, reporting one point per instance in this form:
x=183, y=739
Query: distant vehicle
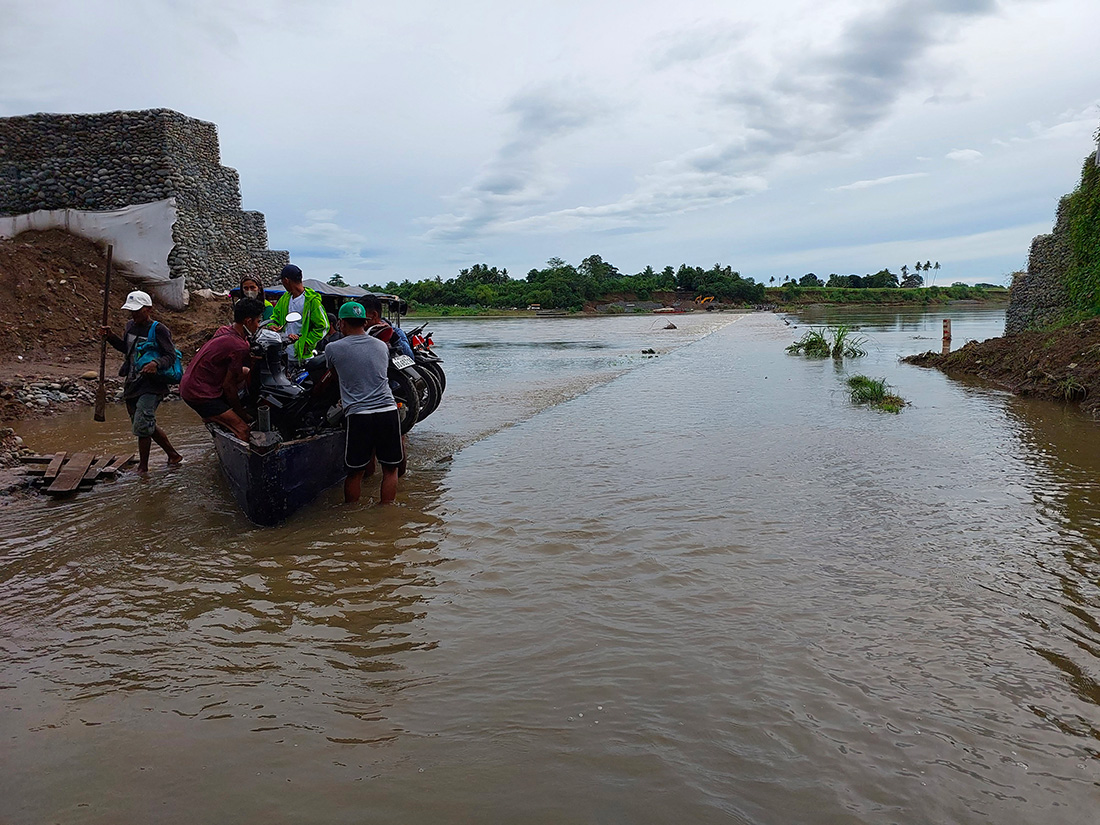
x=534, y=306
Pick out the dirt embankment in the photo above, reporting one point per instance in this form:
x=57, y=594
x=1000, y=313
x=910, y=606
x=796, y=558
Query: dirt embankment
x=51, y=285
x=1063, y=365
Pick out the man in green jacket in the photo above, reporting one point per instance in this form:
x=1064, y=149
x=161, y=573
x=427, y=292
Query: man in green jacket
x=306, y=333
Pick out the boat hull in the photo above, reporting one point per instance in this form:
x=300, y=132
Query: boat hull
x=271, y=485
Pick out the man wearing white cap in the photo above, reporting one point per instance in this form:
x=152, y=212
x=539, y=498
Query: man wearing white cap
x=145, y=387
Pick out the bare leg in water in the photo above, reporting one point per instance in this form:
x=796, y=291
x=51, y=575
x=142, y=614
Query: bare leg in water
x=161, y=438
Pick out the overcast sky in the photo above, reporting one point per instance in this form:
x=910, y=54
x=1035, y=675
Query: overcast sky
x=410, y=139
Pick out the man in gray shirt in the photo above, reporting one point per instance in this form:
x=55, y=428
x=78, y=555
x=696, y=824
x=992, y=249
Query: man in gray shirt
x=361, y=364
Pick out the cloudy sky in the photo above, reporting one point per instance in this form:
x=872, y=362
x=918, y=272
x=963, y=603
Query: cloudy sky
x=402, y=140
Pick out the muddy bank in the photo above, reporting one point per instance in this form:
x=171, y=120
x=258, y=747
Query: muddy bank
x=1063, y=365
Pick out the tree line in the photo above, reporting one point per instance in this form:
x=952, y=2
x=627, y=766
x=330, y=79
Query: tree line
x=883, y=279
x=561, y=285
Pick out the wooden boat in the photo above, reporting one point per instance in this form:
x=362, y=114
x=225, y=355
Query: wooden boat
x=271, y=482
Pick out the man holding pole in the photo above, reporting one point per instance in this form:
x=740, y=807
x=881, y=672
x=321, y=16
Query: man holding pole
x=144, y=388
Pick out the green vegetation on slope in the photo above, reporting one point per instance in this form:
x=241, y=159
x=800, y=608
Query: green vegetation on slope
x=1083, y=276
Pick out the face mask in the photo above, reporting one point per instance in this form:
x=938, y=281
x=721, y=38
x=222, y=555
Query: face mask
x=251, y=293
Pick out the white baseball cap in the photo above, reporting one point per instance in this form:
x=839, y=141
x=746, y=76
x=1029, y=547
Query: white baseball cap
x=137, y=299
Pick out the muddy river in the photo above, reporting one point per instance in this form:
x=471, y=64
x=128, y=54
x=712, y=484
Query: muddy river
x=699, y=586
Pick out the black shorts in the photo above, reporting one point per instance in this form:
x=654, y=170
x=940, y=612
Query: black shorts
x=209, y=407
x=373, y=434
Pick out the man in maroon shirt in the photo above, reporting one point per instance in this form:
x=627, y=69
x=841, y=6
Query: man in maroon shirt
x=211, y=386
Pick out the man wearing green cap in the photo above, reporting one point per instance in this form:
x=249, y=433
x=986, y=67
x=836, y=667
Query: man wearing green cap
x=361, y=364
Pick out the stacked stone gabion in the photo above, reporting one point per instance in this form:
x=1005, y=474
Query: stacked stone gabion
x=1038, y=296
x=116, y=159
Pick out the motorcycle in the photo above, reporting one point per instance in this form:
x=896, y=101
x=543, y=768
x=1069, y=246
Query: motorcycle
x=308, y=401
x=429, y=365
x=293, y=408
x=409, y=386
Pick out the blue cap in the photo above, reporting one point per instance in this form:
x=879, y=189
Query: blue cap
x=291, y=272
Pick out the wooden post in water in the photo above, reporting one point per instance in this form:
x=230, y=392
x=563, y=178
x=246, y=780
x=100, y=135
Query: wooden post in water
x=946, y=335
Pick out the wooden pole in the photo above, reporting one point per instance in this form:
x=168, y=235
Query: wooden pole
x=101, y=391
x=946, y=335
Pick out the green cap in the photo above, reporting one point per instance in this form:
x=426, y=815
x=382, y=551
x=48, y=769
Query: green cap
x=353, y=309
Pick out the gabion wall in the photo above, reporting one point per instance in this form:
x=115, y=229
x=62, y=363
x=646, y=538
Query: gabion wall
x=1038, y=296
x=116, y=159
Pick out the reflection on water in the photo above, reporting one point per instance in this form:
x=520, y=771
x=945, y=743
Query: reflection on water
x=1062, y=451
x=701, y=587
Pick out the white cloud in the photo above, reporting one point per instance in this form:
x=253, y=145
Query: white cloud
x=699, y=42
x=323, y=235
x=1012, y=241
x=518, y=176
x=1072, y=125
x=867, y=184
x=964, y=155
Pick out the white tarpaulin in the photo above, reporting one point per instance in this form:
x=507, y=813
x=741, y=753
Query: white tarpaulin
x=141, y=236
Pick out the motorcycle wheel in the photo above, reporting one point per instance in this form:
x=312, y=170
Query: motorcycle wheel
x=435, y=369
x=407, y=398
x=435, y=394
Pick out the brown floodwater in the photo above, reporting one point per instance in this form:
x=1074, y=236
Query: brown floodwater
x=696, y=587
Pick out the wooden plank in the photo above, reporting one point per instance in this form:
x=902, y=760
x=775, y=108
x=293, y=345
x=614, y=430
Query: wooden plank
x=36, y=459
x=55, y=464
x=97, y=467
x=71, y=474
x=118, y=462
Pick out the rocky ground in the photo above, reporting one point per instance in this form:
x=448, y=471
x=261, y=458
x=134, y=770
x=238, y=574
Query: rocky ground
x=1063, y=365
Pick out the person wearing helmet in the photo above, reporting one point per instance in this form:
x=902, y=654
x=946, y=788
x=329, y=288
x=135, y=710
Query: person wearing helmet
x=361, y=363
x=145, y=386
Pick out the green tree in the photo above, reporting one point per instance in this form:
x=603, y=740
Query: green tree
x=336, y=280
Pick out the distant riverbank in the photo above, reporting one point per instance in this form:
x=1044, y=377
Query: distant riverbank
x=782, y=298
x=793, y=295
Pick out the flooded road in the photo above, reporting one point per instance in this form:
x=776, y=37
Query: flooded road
x=699, y=587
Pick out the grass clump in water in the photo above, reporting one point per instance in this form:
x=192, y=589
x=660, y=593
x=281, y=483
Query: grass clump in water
x=814, y=343
x=817, y=344
x=846, y=344
x=874, y=392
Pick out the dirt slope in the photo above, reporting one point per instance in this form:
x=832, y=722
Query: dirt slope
x=51, y=285
x=1063, y=365
x=51, y=308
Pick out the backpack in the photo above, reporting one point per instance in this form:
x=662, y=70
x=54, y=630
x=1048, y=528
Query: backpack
x=147, y=350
